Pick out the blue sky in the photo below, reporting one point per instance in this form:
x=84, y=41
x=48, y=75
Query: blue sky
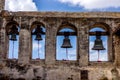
x=103, y=56
x=64, y=6
x=54, y=5
x=71, y=52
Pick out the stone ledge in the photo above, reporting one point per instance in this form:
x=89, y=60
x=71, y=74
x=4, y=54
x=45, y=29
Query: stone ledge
x=71, y=14
x=67, y=63
x=103, y=64
x=37, y=62
x=63, y=14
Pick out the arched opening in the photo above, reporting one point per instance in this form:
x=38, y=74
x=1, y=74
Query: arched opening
x=66, y=43
x=12, y=30
x=38, y=41
x=98, y=44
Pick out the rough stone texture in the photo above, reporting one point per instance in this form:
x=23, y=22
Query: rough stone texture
x=2, y=3
x=24, y=54
x=24, y=68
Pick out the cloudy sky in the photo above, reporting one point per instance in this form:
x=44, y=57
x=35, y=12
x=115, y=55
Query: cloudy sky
x=63, y=5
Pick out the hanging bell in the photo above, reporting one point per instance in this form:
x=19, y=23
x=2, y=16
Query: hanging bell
x=38, y=37
x=66, y=43
x=13, y=30
x=13, y=37
x=38, y=30
x=98, y=45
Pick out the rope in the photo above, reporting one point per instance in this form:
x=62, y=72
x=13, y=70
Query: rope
x=66, y=54
x=38, y=50
x=98, y=56
x=13, y=51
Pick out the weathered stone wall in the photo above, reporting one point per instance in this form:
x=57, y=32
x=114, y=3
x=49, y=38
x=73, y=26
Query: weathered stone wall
x=50, y=68
x=2, y=3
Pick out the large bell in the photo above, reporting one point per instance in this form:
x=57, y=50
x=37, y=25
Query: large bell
x=13, y=37
x=38, y=37
x=66, y=43
x=38, y=30
x=98, y=45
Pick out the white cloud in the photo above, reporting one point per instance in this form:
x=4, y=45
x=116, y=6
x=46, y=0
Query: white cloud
x=72, y=54
x=103, y=55
x=20, y=5
x=35, y=45
x=93, y=4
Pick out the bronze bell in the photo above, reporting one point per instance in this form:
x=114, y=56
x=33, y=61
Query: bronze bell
x=38, y=30
x=13, y=30
x=98, y=45
x=66, y=43
x=13, y=37
x=38, y=37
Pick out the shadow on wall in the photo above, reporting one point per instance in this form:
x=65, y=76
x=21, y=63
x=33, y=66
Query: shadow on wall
x=7, y=78
x=115, y=74
x=103, y=78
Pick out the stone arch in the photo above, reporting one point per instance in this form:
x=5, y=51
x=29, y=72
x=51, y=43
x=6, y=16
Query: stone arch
x=107, y=29
x=9, y=25
x=8, y=33
x=67, y=25
x=71, y=31
x=33, y=25
x=32, y=28
x=100, y=25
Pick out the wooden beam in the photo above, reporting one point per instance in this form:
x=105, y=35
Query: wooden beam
x=67, y=33
x=102, y=33
x=43, y=33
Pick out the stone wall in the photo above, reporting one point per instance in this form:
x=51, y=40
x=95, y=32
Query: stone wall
x=2, y=3
x=49, y=68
